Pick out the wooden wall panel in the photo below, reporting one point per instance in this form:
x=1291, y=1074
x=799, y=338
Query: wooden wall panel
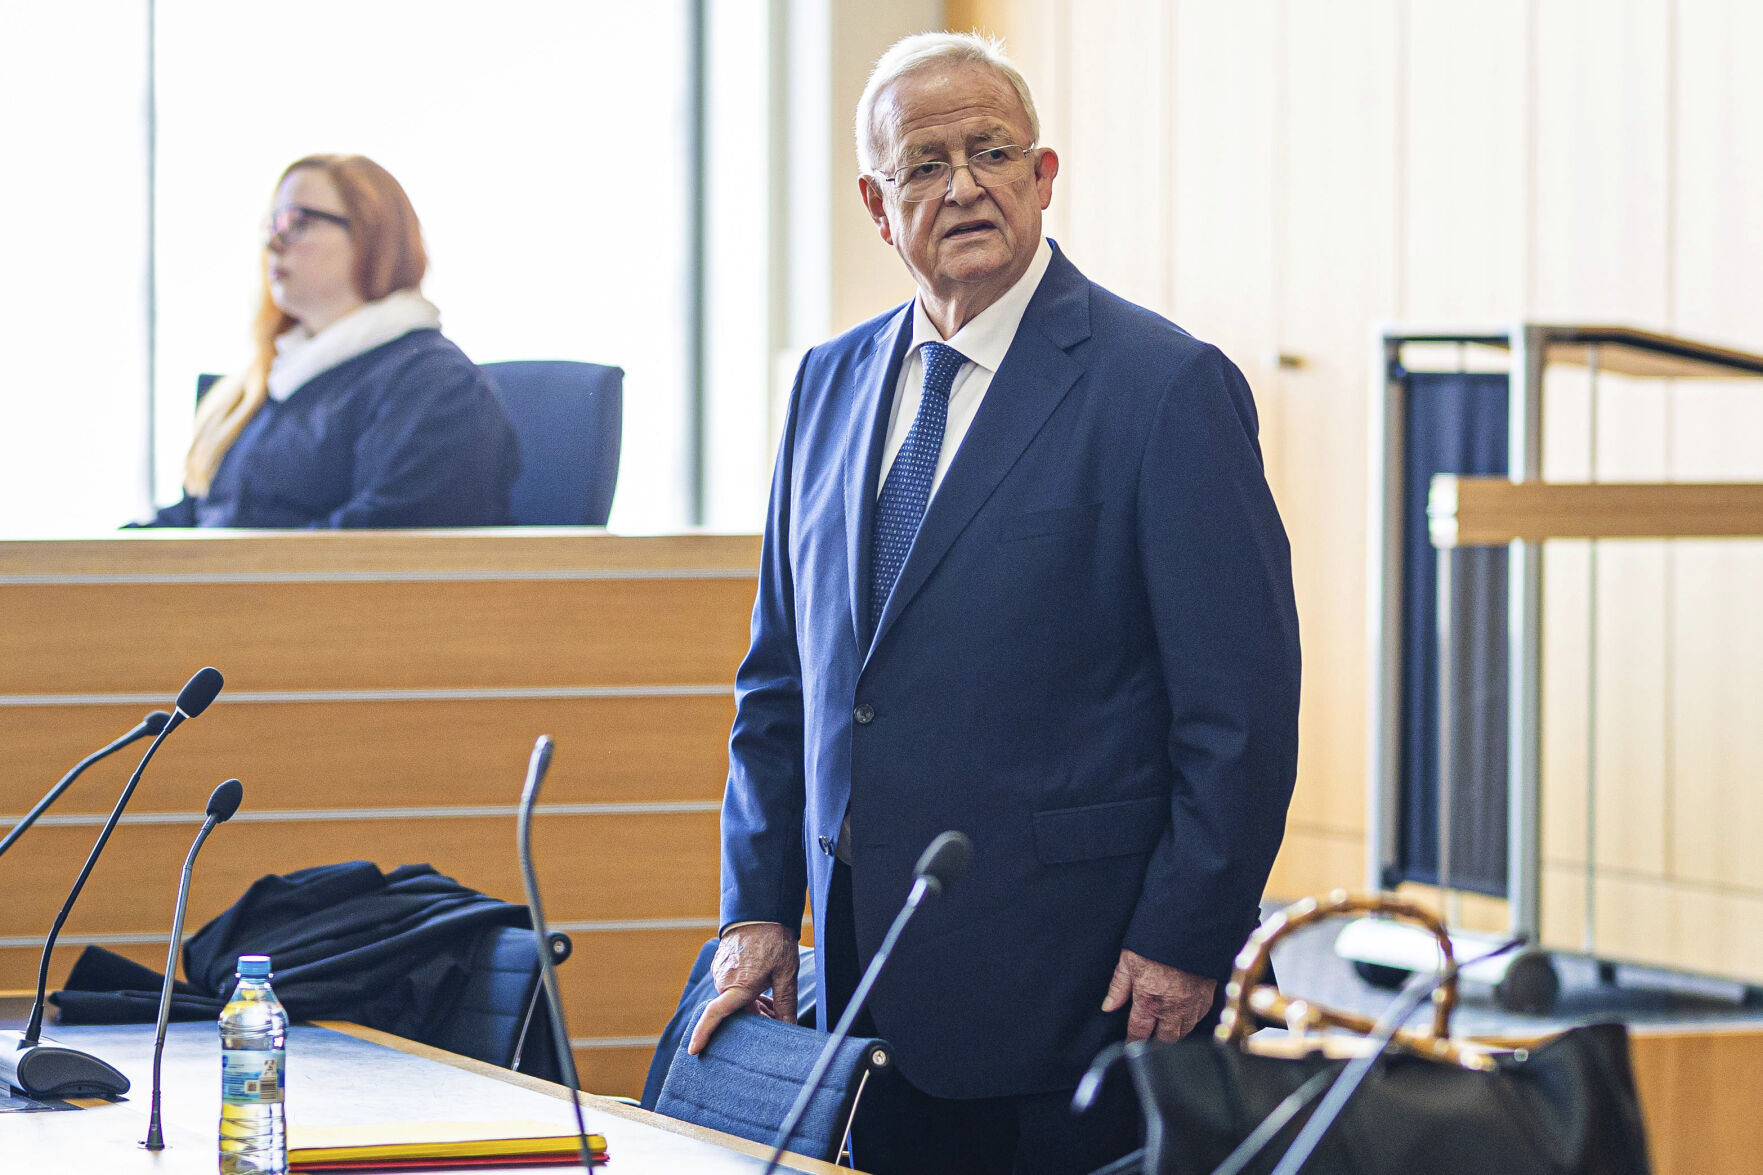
x=1224, y=258
x=18, y=964
x=138, y=638
x=1717, y=117
x=592, y=867
x=1713, y=929
x=1113, y=175
x=351, y=662
x=1716, y=732
x=1466, y=147
x=1339, y=240
x=1716, y=432
x=1699, y=1096
x=1631, y=695
x=614, y=1072
x=375, y=754
x=1601, y=186
x=1601, y=142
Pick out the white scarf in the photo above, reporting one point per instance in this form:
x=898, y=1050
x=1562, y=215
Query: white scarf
x=300, y=355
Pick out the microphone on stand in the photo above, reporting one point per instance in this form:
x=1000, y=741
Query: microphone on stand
x=943, y=861
x=221, y=806
x=529, y=796
x=48, y=1070
x=152, y=724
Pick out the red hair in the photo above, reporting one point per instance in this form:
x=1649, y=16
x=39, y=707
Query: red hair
x=389, y=256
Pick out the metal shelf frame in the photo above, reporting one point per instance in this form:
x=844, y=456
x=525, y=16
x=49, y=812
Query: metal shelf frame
x=1532, y=348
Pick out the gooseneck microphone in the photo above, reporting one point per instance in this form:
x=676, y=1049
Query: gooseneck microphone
x=221, y=806
x=50, y=1070
x=536, y=766
x=152, y=724
x=942, y=862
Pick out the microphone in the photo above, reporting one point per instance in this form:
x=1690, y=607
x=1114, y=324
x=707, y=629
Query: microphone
x=152, y=724
x=536, y=766
x=942, y=862
x=221, y=806
x=43, y=1070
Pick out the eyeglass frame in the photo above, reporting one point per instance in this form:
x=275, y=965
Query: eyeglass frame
x=949, y=183
x=295, y=231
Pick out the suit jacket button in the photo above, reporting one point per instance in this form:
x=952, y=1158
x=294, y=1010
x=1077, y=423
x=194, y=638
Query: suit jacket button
x=865, y=714
x=826, y=846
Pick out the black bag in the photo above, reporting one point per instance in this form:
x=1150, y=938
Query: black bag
x=1433, y=1106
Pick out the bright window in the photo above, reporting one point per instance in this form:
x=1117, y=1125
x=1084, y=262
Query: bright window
x=545, y=144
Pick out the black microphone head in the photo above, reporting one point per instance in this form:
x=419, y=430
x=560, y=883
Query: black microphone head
x=155, y=722
x=199, y=691
x=225, y=800
x=945, y=859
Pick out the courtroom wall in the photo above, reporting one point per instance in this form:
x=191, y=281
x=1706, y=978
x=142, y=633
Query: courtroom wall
x=1281, y=177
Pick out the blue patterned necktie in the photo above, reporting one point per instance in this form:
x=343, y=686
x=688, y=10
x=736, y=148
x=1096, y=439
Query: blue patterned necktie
x=900, y=508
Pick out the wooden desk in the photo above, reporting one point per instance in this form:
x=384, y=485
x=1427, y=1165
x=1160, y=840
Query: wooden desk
x=383, y=693
x=340, y=1075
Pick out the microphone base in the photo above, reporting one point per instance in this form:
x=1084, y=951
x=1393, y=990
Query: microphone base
x=47, y=1069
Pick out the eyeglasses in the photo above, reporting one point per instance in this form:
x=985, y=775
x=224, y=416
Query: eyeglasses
x=930, y=179
x=291, y=223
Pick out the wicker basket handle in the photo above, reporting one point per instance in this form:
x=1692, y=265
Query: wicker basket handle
x=1243, y=994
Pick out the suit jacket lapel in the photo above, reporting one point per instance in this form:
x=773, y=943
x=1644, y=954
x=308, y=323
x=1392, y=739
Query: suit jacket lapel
x=1035, y=376
x=873, y=382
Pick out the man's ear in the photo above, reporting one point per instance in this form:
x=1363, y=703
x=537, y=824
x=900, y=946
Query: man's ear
x=876, y=205
x=1046, y=167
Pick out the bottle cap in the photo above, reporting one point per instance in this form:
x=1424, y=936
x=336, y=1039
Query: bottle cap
x=254, y=966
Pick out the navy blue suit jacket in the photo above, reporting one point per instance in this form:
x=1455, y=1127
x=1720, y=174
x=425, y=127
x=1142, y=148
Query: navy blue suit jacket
x=1089, y=664
x=407, y=434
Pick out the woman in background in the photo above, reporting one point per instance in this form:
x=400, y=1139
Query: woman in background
x=355, y=410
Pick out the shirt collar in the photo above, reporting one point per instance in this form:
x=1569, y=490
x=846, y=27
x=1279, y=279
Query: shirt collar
x=987, y=337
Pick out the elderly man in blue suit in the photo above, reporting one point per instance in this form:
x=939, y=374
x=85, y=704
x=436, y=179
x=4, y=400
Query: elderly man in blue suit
x=1022, y=577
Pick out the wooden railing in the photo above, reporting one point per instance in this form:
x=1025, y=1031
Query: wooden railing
x=383, y=692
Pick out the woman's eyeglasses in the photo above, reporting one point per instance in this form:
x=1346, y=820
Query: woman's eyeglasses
x=290, y=223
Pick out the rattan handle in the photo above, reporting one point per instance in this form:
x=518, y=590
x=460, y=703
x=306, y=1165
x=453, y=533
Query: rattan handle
x=1237, y=1022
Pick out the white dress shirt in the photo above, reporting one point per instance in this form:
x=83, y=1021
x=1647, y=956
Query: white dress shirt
x=984, y=342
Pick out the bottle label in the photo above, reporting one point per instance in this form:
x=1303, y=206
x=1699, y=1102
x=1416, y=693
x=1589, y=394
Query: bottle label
x=250, y=1077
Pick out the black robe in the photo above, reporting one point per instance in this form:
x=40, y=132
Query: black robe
x=408, y=434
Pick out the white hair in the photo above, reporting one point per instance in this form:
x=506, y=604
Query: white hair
x=921, y=50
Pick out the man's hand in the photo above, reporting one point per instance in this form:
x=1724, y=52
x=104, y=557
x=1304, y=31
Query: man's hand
x=750, y=959
x=1166, y=1002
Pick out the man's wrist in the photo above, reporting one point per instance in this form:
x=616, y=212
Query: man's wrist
x=723, y=933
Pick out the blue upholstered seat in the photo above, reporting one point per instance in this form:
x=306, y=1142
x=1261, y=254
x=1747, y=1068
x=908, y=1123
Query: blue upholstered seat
x=568, y=421
x=748, y=1077
x=499, y=1016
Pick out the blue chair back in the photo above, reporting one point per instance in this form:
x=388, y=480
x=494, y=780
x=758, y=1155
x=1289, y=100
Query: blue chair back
x=701, y=987
x=568, y=420
x=749, y=1075
x=498, y=1015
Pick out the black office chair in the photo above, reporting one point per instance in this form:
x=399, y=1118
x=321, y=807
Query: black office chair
x=501, y=1016
x=569, y=423
x=748, y=1077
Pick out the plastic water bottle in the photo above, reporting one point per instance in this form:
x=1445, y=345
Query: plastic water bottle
x=253, y=1056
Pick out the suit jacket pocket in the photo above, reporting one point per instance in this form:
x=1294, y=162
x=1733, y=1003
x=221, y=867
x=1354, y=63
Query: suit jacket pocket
x=1042, y=523
x=1121, y=829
